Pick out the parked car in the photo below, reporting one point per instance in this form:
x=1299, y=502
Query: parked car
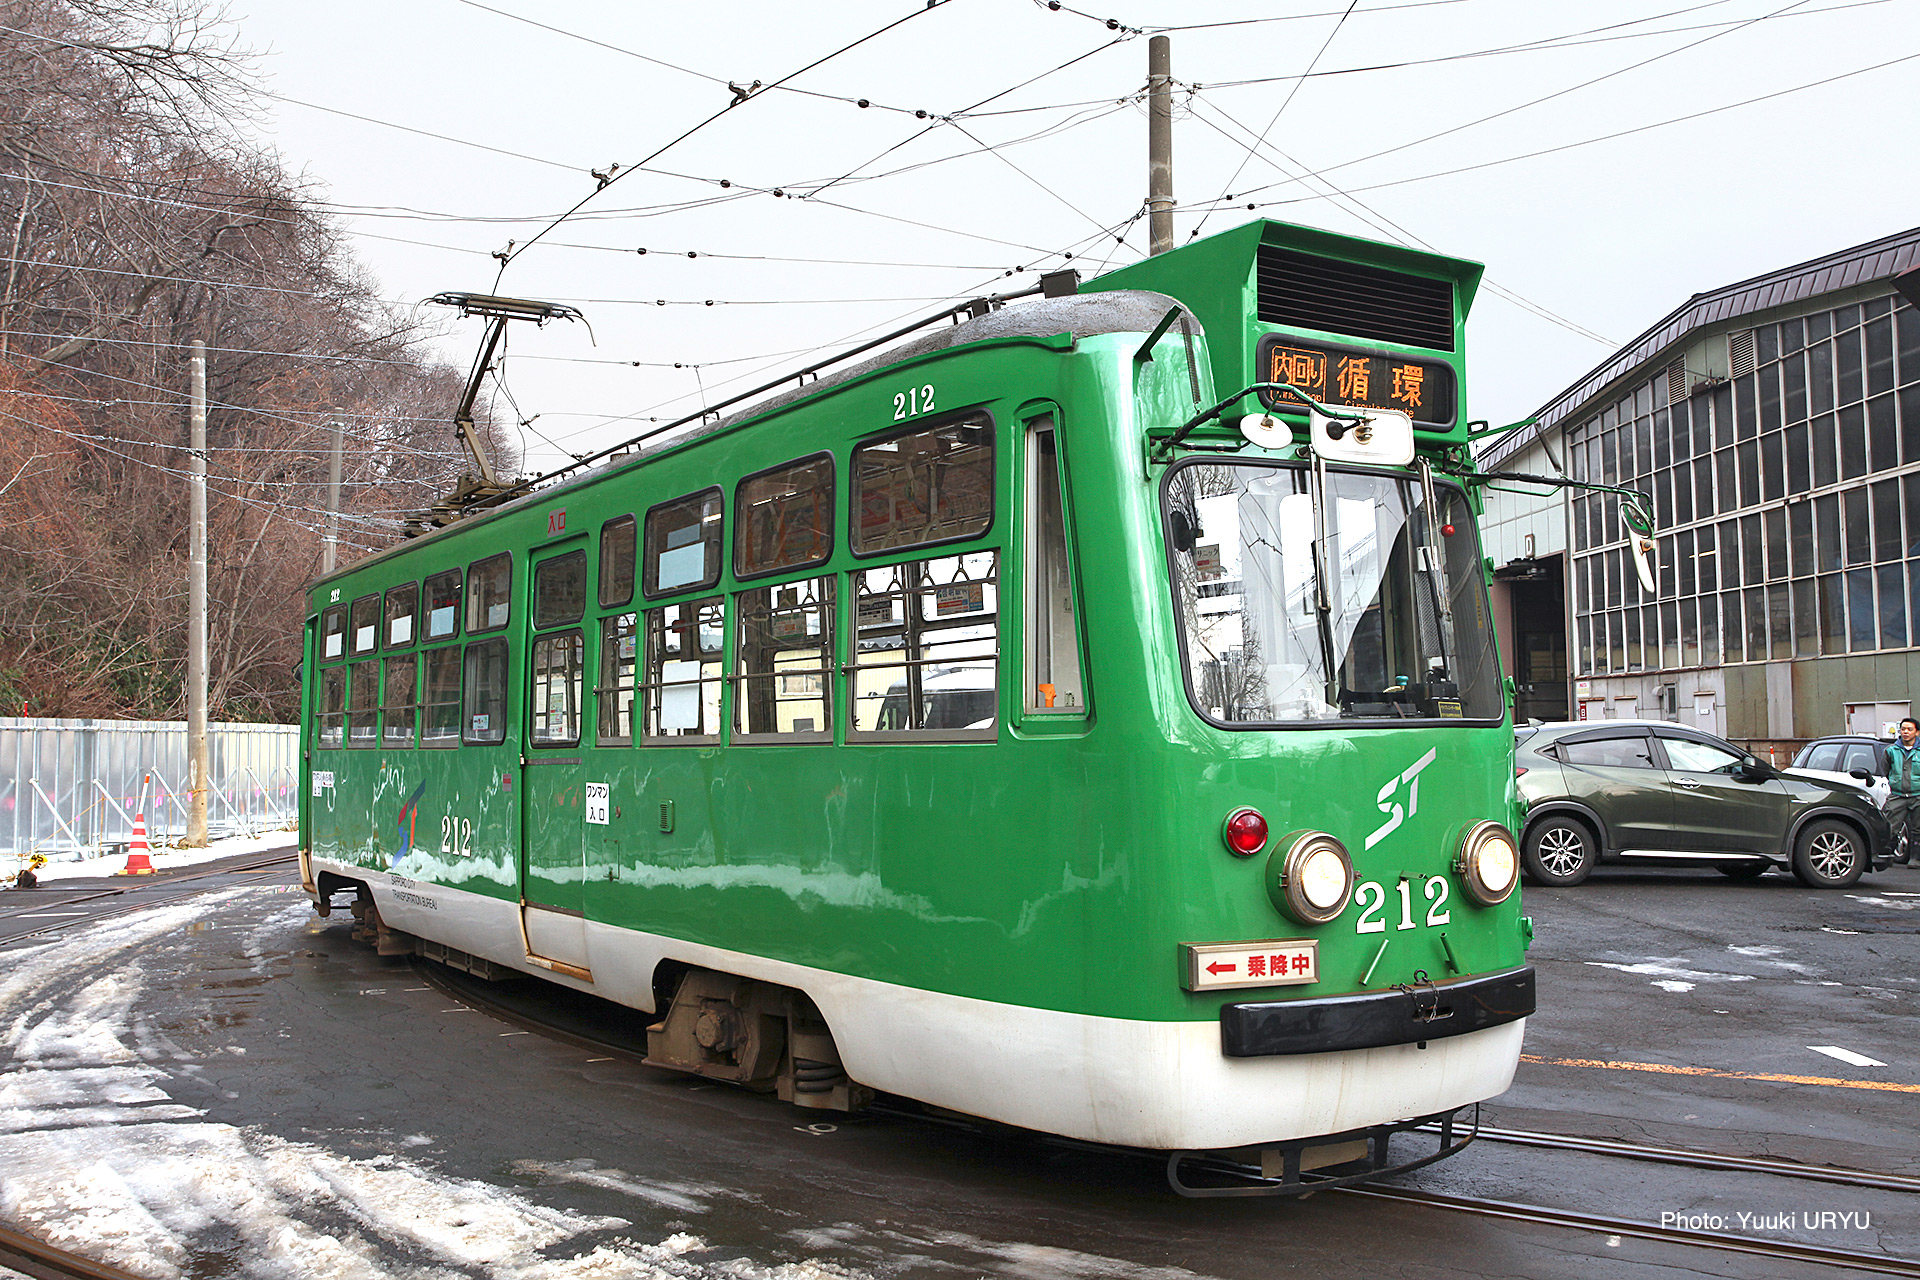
x=1653, y=792
x=1848, y=757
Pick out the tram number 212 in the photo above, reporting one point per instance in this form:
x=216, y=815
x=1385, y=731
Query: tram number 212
x=912, y=402
x=456, y=836
x=1373, y=905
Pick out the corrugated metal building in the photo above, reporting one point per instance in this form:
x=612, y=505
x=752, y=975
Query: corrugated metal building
x=1776, y=422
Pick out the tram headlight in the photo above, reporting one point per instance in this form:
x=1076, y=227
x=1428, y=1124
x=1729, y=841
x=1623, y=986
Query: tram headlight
x=1310, y=877
x=1489, y=863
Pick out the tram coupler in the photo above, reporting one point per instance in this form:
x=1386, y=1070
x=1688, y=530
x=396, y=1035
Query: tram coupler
x=1305, y=1165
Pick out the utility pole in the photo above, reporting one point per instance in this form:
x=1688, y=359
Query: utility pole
x=197, y=608
x=1159, y=144
x=331, y=542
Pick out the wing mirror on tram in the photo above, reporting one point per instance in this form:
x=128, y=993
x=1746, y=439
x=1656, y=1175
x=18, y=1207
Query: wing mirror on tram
x=1639, y=522
x=1182, y=531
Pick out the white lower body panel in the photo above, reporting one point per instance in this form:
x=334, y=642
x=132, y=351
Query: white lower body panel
x=1134, y=1083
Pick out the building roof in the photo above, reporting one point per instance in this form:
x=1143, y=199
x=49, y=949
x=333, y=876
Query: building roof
x=1862, y=264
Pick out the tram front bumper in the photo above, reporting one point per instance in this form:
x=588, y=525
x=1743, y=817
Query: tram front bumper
x=1401, y=1015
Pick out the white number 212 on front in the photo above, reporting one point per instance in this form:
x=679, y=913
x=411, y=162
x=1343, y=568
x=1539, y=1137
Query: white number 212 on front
x=1372, y=897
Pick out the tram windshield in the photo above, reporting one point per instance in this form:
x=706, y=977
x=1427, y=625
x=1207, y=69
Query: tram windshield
x=1397, y=630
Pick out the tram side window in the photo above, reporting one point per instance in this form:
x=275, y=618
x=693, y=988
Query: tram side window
x=333, y=706
x=402, y=604
x=683, y=545
x=443, y=605
x=442, y=703
x=784, y=686
x=684, y=644
x=1053, y=630
x=363, y=704
x=554, y=687
x=616, y=562
x=560, y=590
x=926, y=636
x=489, y=591
x=485, y=708
x=366, y=624
x=333, y=633
x=618, y=642
x=783, y=518
x=930, y=485
x=400, y=710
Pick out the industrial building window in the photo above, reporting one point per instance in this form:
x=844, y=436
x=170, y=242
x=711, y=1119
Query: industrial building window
x=616, y=561
x=442, y=703
x=930, y=485
x=443, y=605
x=615, y=691
x=684, y=647
x=402, y=604
x=333, y=706
x=784, y=684
x=926, y=644
x=363, y=704
x=489, y=593
x=683, y=545
x=365, y=630
x=484, y=713
x=783, y=518
x=399, y=710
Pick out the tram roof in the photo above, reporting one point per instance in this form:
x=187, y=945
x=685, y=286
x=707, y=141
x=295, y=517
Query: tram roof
x=1075, y=317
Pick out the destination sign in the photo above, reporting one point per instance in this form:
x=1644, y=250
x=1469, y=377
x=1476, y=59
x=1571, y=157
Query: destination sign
x=1421, y=389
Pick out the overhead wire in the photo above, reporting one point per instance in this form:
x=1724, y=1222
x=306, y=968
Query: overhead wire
x=1284, y=104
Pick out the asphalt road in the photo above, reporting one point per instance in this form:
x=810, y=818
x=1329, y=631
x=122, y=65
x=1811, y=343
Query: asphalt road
x=231, y=1086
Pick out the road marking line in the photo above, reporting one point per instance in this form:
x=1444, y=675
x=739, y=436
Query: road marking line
x=515, y=1033
x=1847, y=1056
x=47, y=915
x=1663, y=1068
x=599, y=1059
x=456, y=1011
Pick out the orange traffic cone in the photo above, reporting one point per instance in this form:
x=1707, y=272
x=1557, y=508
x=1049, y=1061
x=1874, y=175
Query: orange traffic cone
x=138, y=864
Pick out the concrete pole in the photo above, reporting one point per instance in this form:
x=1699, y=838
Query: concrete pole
x=330, y=543
x=1159, y=143
x=197, y=763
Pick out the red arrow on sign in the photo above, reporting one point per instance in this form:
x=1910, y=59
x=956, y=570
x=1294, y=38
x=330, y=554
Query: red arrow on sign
x=1216, y=968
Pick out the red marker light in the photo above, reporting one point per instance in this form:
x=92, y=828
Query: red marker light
x=1245, y=832
x=1446, y=530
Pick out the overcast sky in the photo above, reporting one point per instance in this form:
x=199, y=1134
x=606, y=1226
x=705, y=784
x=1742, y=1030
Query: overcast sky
x=1420, y=123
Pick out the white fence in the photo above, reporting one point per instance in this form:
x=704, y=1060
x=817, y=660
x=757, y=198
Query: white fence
x=69, y=788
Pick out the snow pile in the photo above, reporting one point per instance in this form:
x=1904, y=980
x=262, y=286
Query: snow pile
x=99, y=1157
x=163, y=859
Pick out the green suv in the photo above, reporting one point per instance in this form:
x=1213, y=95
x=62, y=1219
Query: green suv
x=1629, y=791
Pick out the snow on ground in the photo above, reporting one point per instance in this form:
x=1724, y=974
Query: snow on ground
x=98, y=1155
x=162, y=859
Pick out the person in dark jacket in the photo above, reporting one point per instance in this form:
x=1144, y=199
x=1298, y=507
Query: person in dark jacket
x=1903, y=779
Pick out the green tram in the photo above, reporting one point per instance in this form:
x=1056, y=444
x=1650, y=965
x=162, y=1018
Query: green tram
x=1005, y=723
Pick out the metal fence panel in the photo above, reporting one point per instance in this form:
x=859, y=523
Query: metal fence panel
x=68, y=788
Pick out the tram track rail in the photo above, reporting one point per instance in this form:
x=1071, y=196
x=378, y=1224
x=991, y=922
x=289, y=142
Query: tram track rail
x=472, y=992
x=1837, y=1175
x=159, y=899
x=1793, y=1251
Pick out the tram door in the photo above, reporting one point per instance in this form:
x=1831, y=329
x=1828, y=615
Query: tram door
x=553, y=803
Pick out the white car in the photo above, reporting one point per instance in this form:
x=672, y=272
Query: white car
x=1846, y=759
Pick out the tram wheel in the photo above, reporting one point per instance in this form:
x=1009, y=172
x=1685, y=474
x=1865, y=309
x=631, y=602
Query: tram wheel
x=1559, y=850
x=1829, y=855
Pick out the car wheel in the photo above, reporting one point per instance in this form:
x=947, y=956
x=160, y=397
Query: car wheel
x=1829, y=855
x=1744, y=870
x=1559, y=851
